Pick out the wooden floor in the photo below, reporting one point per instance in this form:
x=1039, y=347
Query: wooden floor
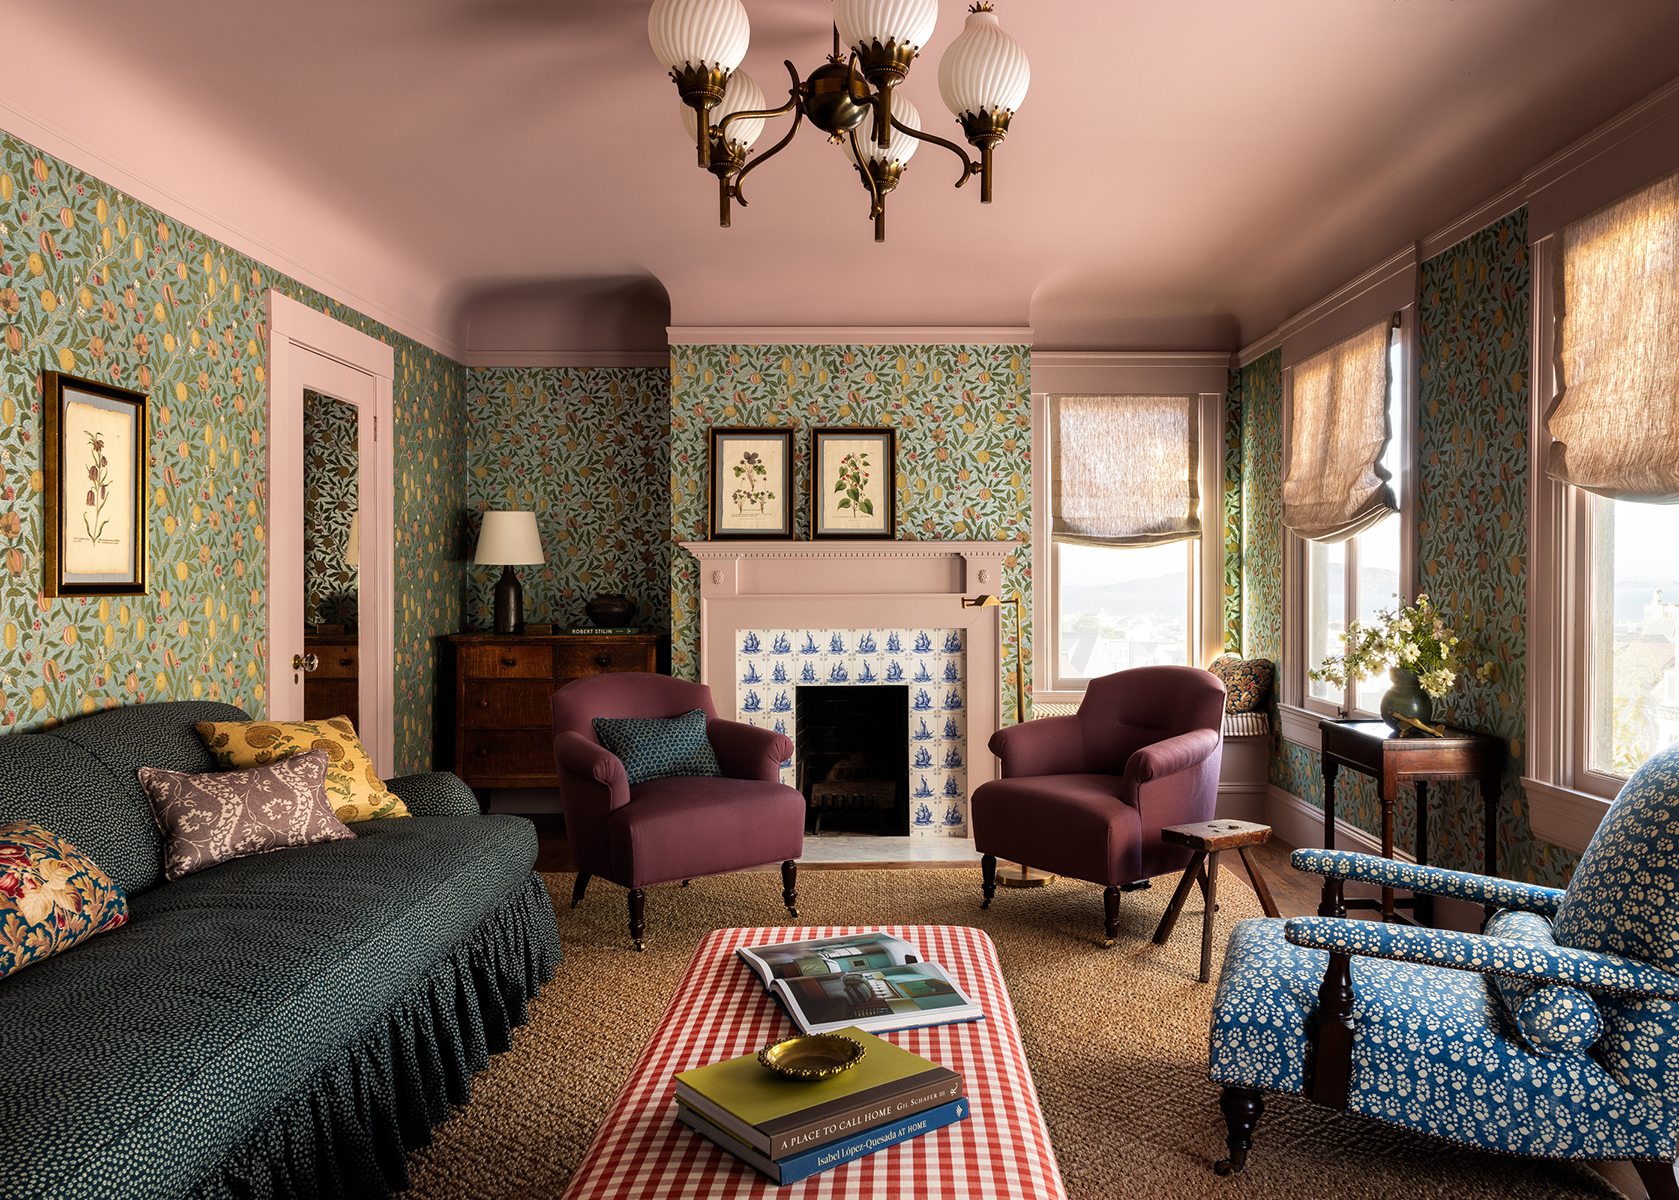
x=1296, y=895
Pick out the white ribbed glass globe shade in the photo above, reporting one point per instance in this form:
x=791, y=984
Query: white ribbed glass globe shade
x=691, y=32
x=908, y=22
x=741, y=95
x=902, y=147
x=983, y=69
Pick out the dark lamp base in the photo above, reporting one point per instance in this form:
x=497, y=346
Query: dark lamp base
x=510, y=603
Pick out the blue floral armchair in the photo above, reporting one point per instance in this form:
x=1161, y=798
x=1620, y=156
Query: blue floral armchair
x=1554, y=1034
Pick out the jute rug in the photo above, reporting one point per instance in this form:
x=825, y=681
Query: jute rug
x=1117, y=1040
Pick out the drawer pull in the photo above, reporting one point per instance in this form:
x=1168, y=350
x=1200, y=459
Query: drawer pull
x=509, y=662
x=603, y=660
x=483, y=704
x=483, y=752
x=346, y=662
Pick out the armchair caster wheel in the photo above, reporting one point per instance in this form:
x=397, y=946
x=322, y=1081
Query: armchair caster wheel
x=1226, y=1166
x=1107, y=943
x=684, y=883
x=640, y=946
x=986, y=903
x=793, y=912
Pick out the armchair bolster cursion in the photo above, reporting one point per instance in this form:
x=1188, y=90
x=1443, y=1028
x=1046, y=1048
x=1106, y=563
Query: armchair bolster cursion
x=591, y=762
x=1160, y=759
x=1431, y=881
x=1486, y=955
x=747, y=752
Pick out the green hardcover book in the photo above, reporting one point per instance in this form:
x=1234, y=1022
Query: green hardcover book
x=780, y=1117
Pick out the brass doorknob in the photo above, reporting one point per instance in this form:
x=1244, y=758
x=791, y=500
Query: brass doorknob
x=304, y=662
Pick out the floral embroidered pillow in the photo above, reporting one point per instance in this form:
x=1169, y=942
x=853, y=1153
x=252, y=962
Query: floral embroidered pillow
x=1247, y=681
x=51, y=896
x=210, y=818
x=354, y=787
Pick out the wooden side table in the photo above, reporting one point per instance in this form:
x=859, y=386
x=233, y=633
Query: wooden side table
x=1208, y=839
x=1373, y=748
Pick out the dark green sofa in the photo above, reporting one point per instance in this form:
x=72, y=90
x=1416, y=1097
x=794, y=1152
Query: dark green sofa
x=288, y=1024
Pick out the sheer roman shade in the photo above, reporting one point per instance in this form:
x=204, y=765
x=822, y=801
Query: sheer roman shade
x=1336, y=486
x=1615, y=420
x=1122, y=470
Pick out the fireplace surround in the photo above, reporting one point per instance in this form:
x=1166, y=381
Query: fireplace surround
x=855, y=613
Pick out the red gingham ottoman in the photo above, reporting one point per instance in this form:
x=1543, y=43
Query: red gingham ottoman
x=720, y=1010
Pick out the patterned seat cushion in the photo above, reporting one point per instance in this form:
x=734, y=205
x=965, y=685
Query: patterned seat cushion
x=659, y=747
x=225, y=991
x=1433, y=1050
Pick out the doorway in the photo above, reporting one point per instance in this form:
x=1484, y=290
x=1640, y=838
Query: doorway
x=324, y=372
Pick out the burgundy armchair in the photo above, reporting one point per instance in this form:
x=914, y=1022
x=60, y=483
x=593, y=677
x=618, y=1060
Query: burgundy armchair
x=678, y=828
x=1086, y=796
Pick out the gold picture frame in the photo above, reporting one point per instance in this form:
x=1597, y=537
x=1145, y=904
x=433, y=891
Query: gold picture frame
x=96, y=443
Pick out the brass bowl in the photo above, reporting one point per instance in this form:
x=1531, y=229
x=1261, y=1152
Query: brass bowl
x=815, y=1056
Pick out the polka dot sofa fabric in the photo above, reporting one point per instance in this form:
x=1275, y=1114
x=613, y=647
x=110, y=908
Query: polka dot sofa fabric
x=283, y=1024
x=1543, y=1038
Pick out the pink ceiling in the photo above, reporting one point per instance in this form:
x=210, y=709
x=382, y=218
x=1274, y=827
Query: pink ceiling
x=496, y=175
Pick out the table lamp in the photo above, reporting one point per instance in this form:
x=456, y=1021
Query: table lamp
x=508, y=540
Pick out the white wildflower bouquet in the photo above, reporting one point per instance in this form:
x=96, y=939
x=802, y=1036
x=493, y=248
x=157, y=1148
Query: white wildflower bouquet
x=1413, y=639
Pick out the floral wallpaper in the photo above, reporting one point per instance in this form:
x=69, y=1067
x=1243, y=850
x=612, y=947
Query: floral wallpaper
x=1232, y=510
x=97, y=284
x=963, y=416
x=1262, y=507
x=331, y=497
x=587, y=449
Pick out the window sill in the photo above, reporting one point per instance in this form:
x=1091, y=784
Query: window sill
x=1562, y=816
x=1300, y=726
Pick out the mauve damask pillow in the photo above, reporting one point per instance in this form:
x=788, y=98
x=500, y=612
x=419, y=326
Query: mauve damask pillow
x=219, y=815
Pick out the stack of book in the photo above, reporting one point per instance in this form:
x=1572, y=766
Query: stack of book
x=789, y=1130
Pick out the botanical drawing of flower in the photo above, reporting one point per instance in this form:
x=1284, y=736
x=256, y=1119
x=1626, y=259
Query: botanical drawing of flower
x=99, y=474
x=754, y=476
x=853, y=477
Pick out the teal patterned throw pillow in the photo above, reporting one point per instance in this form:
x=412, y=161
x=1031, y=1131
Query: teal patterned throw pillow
x=657, y=748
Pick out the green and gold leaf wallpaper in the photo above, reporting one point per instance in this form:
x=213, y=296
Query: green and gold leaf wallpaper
x=96, y=284
x=963, y=417
x=587, y=449
x=331, y=497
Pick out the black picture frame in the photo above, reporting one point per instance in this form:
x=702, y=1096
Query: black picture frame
x=94, y=457
x=750, y=466
x=854, y=482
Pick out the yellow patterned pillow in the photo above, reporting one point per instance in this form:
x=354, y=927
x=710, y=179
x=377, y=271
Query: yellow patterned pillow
x=352, y=786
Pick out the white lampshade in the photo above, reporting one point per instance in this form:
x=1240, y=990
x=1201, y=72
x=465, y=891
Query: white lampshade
x=984, y=68
x=509, y=539
x=902, y=147
x=692, y=32
x=352, y=545
x=741, y=95
x=907, y=22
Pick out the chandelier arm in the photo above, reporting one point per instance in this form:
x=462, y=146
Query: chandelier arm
x=969, y=166
x=798, y=116
x=863, y=170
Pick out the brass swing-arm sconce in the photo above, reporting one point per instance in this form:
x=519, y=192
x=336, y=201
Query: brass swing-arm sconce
x=982, y=77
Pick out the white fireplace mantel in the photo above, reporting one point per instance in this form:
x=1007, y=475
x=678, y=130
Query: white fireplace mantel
x=856, y=585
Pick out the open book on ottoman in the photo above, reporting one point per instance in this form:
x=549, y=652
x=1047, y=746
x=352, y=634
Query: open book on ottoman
x=874, y=981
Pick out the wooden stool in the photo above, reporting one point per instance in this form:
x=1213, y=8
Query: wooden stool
x=1208, y=839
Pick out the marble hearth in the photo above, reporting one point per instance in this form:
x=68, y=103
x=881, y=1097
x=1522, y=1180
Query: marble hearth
x=777, y=614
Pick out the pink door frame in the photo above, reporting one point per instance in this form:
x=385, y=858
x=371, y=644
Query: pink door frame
x=309, y=350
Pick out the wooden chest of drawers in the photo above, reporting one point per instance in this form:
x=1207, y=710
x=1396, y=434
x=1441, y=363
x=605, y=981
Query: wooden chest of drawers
x=333, y=688
x=504, y=735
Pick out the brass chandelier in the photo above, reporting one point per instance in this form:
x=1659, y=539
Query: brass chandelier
x=983, y=78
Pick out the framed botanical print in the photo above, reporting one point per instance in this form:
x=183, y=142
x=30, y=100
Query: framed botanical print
x=751, y=483
x=94, y=463
x=853, y=482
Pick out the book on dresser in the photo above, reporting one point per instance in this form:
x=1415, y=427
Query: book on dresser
x=791, y=1129
x=872, y=980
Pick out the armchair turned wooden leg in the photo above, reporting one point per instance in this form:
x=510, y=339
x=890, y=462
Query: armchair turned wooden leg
x=1242, y=1110
x=1110, y=906
x=578, y=888
x=638, y=917
x=1330, y=1072
x=988, y=878
x=789, y=887
x=1657, y=1178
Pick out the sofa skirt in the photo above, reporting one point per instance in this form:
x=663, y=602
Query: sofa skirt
x=347, y=1130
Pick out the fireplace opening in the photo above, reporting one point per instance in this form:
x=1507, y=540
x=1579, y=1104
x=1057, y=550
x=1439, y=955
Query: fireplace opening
x=852, y=758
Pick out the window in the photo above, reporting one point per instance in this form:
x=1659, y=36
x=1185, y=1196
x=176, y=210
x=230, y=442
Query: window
x=1361, y=576
x=1103, y=607
x=1633, y=695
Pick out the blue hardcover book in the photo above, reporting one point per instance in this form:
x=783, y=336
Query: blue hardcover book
x=834, y=1154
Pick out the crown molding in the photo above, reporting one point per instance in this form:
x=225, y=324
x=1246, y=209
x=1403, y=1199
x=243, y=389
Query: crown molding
x=1473, y=221
x=29, y=126
x=1169, y=372
x=479, y=359
x=850, y=335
